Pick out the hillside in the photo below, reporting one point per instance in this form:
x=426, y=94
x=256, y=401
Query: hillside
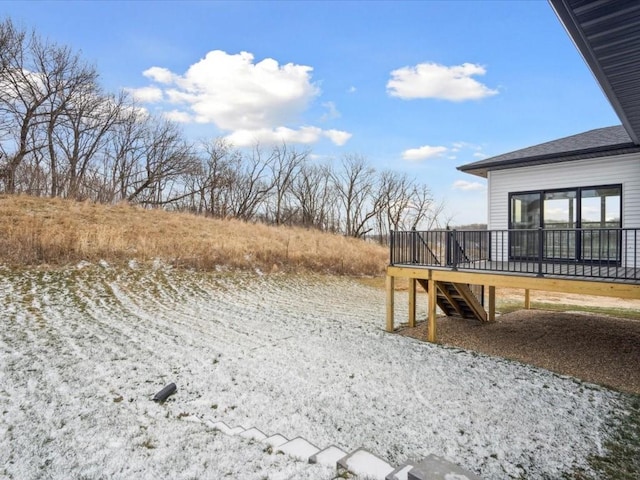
x=49, y=231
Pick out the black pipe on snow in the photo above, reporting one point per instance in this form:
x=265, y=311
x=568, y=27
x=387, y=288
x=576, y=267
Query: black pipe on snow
x=163, y=394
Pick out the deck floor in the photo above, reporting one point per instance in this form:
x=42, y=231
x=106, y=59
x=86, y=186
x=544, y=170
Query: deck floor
x=577, y=271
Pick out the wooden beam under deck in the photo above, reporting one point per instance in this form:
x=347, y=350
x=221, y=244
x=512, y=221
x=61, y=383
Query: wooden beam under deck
x=492, y=280
x=604, y=288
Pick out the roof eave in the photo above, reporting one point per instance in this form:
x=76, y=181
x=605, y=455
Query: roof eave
x=568, y=19
x=482, y=170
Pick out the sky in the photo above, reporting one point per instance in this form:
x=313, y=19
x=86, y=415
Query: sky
x=417, y=87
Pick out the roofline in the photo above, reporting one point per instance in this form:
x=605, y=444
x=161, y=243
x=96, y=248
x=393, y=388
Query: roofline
x=567, y=17
x=606, y=151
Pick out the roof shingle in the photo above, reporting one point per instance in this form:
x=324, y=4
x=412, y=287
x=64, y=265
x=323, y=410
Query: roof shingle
x=600, y=142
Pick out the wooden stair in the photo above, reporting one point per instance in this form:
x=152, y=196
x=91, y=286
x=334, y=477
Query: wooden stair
x=457, y=299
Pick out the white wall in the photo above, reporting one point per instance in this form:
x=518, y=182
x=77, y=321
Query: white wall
x=623, y=169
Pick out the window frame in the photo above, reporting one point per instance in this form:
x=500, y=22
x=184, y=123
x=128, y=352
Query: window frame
x=578, y=240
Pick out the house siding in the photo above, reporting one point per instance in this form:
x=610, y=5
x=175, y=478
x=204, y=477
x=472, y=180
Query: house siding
x=623, y=169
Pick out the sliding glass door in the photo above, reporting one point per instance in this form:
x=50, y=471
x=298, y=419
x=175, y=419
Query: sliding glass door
x=580, y=224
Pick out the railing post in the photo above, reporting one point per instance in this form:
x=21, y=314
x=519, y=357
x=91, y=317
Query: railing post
x=447, y=249
x=540, y=250
x=391, y=245
x=456, y=247
x=414, y=234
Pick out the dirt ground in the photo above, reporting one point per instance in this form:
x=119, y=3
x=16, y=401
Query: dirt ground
x=596, y=348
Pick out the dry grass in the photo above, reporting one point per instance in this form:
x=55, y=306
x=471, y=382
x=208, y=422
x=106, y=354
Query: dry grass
x=55, y=232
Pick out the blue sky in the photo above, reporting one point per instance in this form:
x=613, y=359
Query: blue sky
x=416, y=87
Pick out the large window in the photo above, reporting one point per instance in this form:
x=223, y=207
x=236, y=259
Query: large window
x=559, y=220
x=599, y=219
x=579, y=223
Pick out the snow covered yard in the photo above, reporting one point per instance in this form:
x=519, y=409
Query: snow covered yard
x=82, y=351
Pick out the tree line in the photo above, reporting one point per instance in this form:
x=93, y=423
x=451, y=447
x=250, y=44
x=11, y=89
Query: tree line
x=62, y=135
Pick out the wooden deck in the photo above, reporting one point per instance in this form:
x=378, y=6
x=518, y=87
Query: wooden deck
x=567, y=278
x=582, y=271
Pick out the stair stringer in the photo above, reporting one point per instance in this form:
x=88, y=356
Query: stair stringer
x=455, y=305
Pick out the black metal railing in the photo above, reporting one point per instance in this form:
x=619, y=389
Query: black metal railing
x=608, y=253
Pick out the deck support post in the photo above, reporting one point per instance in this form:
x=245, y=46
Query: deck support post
x=431, y=336
x=390, y=287
x=412, y=302
x=527, y=299
x=492, y=303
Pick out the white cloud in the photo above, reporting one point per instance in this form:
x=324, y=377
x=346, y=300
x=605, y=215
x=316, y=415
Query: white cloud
x=160, y=75
x=141, y=112
x=338, y=137
x=259, y=100
x=452, y=152
x=352, y=89
x=468, y=186
x=178, y=116
x=457, y=146
x=422, y=153
x=305, y=135
x=431, y=80
x=146, y=94
x=332, y=111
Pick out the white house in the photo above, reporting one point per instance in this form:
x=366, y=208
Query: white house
x=582, y=190
x=563, y=215
x=587, y=181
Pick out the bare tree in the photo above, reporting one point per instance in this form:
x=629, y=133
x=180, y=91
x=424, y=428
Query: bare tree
x=61, y=135
x=424, y=213
x=354, y=184
x=212, y=182
x=166, y=157
x=36, y=78
x=313, y=191
x=124, y=152
x=81, y=136
x=73, y=97
x=21, y=97
x=394, y=192
x=250, y=184
x=286, y=165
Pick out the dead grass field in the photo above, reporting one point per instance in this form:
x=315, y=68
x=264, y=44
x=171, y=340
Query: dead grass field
x=44, y=231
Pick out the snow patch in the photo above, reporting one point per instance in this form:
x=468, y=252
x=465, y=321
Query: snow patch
x=82, y=354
